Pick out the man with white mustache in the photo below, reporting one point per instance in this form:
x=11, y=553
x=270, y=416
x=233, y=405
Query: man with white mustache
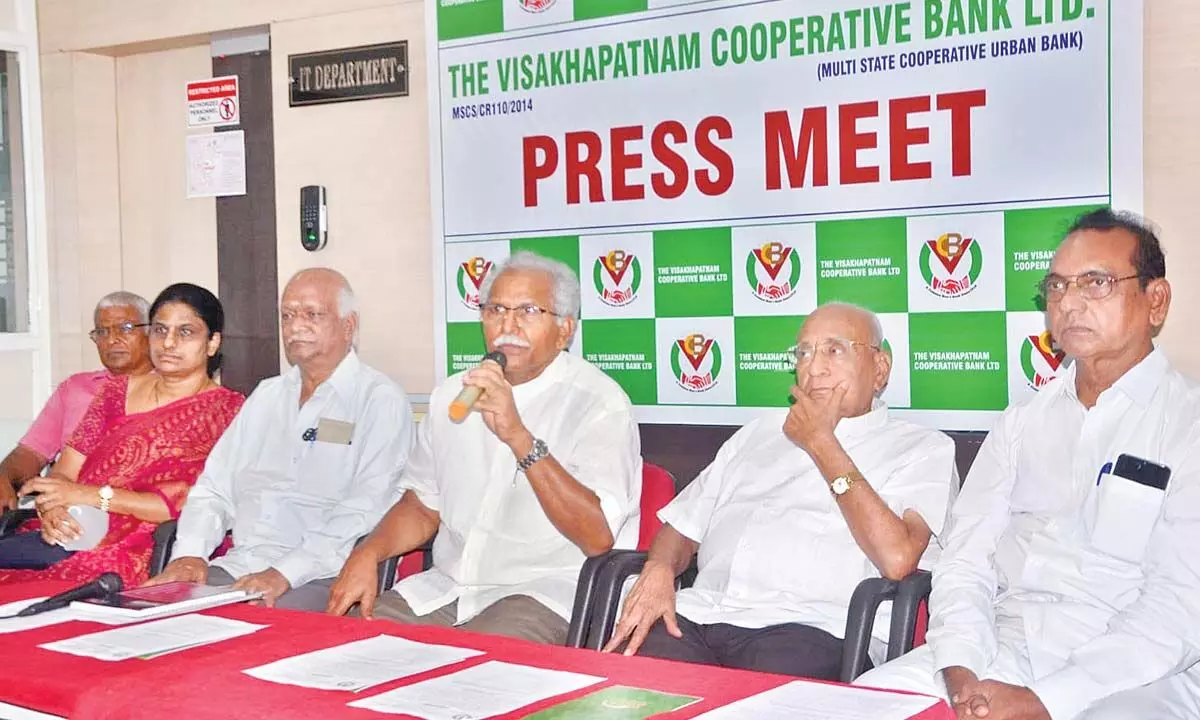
x=308, y=464
x=545, y=472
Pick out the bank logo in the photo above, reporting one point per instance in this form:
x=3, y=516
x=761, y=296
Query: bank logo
x=535, y=6
x=471, y=275
x=696, y=362
x=951, y=265
x=617, y=277
x=1040, y=360
x=773, y=271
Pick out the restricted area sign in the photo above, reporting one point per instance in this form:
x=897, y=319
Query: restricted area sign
x=213, y=102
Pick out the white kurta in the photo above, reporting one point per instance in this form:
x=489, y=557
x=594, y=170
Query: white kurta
x=495, y=539
x=774, y=546
x=1059, y=575
x=293, y=504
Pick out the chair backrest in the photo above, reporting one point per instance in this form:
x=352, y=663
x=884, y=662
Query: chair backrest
x=658, y=489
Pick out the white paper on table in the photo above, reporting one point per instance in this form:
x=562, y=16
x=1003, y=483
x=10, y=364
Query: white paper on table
x=154, y=638
x=482, y=691
x=52, y=617
x=361, y=664
x=817, y=701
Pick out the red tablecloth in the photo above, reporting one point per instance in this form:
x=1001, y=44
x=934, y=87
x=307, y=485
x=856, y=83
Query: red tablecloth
x=207, y=682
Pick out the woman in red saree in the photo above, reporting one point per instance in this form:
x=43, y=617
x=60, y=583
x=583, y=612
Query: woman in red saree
x=135, y=454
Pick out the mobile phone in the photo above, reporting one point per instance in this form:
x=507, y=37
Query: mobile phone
x=1142, y=472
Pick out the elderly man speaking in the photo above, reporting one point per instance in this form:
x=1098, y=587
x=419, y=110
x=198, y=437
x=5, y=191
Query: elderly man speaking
x=545, y=473
x=797, y=508
x=307, y=466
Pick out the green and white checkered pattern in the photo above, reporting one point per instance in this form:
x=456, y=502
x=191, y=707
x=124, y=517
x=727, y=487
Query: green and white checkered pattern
x=705, y=317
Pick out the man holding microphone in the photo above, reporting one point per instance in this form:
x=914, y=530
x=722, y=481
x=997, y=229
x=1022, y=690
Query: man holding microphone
x=543, y=472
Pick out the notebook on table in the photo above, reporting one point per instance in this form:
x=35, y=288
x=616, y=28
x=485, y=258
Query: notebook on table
x=161, y=601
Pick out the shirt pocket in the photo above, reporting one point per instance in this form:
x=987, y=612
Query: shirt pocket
x=1126, y=513
x=326, y=470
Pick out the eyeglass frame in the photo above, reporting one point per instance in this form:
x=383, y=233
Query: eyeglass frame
x=1073, y=281
x=520, y=318
x=96, y=335
x=794, y=350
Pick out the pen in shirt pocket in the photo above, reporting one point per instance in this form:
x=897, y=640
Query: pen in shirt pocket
x=1103, y=471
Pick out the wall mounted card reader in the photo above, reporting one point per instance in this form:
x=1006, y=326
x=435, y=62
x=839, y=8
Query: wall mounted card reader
x=314, y=227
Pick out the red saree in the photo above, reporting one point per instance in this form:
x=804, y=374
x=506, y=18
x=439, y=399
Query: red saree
x=161, y=451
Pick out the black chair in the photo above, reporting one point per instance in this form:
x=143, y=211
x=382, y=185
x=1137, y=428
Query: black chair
x=598, y=597
x=10, y=520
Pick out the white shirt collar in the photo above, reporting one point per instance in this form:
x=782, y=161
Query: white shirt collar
x=545, y=379
x=859, y=425
x=1139, y=383
x=342, y=378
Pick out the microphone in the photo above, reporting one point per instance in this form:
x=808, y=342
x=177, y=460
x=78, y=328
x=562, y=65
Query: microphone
x=461, y=406
x=107, y=584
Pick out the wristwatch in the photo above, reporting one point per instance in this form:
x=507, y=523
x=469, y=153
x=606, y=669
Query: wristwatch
x=106, y=496
x=539, y=451
x=841, y=484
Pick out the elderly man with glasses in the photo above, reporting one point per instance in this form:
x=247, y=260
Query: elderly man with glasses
x=545, y=472
x=1069, y=586
x=124, y=349
x=797, y=508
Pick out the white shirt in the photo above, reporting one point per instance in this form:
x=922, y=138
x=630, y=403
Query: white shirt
x=774, y=546
x=1022, y=543
x=293, y=504
x=495, y=539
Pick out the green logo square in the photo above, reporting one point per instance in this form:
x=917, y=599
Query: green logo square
x=958, y=361
x=625, y=351
x=864, y=262
x=469, y=19
x=565, y=249
x=1030, y=239
x=766, y=371
x=464, y=346
x=693, y=271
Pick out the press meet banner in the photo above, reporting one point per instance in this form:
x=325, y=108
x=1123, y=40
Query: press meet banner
x=714, y=170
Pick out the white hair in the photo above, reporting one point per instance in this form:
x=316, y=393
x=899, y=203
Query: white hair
x=565, y=286
x=121, y=298
x=871, y=318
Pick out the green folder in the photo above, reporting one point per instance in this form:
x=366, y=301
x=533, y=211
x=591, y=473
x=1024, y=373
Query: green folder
x=616, y=702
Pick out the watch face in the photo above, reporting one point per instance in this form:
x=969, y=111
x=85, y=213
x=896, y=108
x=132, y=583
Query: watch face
x=840, y=485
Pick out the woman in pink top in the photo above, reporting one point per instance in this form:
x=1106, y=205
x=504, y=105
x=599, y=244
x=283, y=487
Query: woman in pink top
x=135, y=454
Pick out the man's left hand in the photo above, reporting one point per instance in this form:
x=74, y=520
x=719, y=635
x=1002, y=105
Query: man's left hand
x=58, y=492
x=270, y=582
x=812, y=420
x=496, y=405
x=1010, y=702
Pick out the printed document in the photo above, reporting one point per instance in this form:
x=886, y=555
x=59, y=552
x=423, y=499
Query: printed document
x=817, y=701
x=483, y=691
x=154, y=638
x=361, y=664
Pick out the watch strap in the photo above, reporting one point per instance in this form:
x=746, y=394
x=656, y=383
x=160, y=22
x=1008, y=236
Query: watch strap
x=539, y=451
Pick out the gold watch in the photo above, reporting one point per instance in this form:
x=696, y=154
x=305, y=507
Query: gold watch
x=841, y=484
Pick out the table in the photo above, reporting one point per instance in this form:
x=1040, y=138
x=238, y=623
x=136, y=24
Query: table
x=207, y=682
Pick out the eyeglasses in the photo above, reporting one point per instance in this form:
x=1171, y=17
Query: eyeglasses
x=1092, y=285
x=159, y=331
x=525, y=314
x=312, y=317
x=836, y=350
x=125, y=329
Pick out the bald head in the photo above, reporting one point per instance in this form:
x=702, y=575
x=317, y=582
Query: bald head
x=861, y=324
x=839, y=345
x=318, y=318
